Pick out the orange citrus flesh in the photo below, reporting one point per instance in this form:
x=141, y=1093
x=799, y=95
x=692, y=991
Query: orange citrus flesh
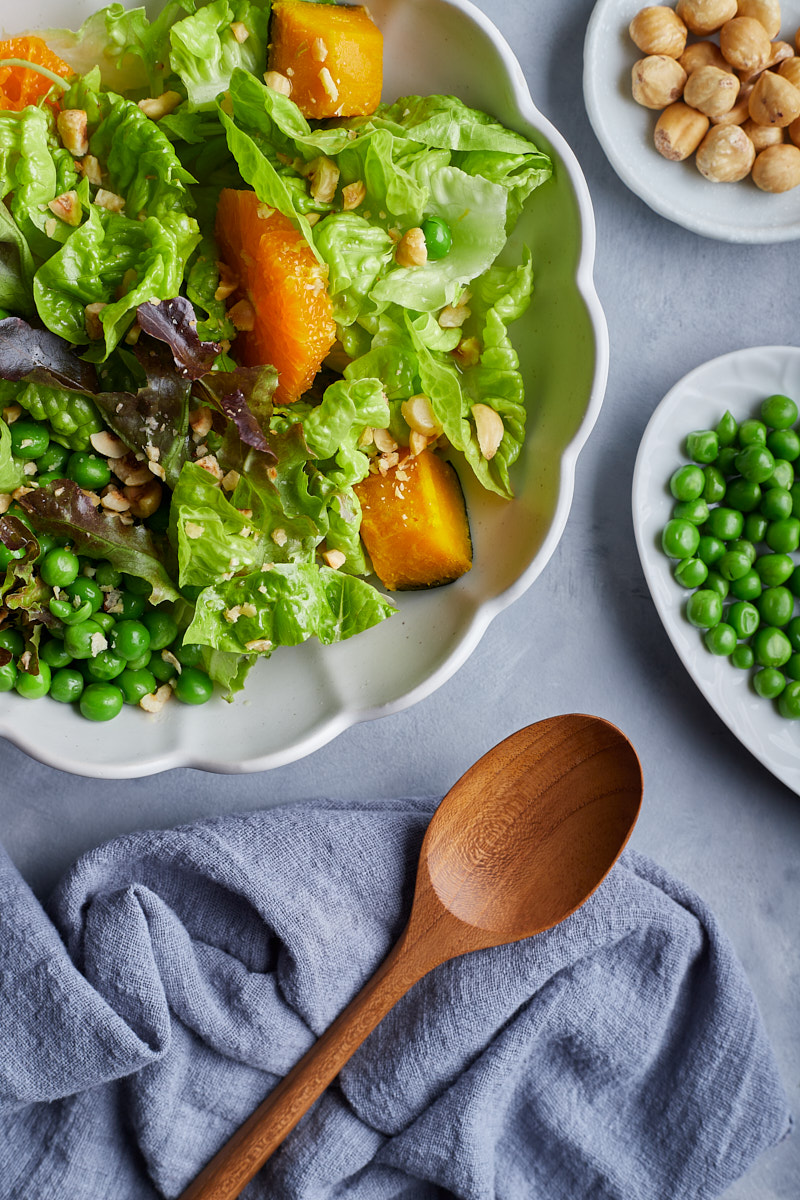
x=278, y=273
x=20, y=86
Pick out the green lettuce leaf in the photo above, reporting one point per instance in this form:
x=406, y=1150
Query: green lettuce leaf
x=16, y=267
x=204, y=51
x=284, y=606
x=11, y=474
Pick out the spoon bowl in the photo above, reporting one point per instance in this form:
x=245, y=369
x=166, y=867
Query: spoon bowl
x=515, y=847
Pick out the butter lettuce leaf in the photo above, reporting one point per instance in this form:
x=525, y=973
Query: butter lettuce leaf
x=205, y=51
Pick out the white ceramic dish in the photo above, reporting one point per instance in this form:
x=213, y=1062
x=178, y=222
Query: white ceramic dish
x=734, y=212
x=739, y=382
x=303, y=697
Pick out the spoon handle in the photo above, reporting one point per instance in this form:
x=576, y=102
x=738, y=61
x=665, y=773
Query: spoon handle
x=235, y=1164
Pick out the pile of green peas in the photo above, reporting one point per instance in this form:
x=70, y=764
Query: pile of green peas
x=90, y=657
x=734, y=527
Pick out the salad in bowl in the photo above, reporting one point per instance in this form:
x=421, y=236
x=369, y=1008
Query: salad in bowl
x=254, y=346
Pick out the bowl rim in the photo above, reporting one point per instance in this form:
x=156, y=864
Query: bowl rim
x=470, y=634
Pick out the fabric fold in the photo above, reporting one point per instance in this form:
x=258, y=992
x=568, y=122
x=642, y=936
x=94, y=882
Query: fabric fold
x=177, y=975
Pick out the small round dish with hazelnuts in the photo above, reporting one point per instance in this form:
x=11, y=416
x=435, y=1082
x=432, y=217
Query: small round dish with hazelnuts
x=696, y=104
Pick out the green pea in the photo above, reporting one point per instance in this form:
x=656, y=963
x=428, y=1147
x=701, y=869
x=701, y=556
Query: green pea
x=783, y=536
x=687, y=483
x=748, y=587
x=727, y=429
x=755, y=463
x=107, y=575
x=162, y=627
x=778, y=411
x=733, y=565
x=782, y=475
x=8, y=676
x=721, y=639
x=743, y=494
x=776, y=504
x=715, y=583
x=101, y=702
x=189, y=655
x=32, y=687
x=105, y=620
x=710, y=549
x=163, y=670
x=130, y=639
x=715, y=486
x=769, y=683
x=784, y=443
x=725, y=523
x=752, y=433
x=771, y=647
x=59, y=567
x=793, y=632
x=743, y=546
x=695, y=511
x=55, y=654
x=791, y=667
x=726, y=460
x=703, y=445
x=138, y=664
x=105, y=665
x=743, y=658
x=88, y=470
x=789, y=702
x=194, y=687
x=755, y=527
x=87, y=591
x=67, y=685
x=680, y=539
x=438, y=238
x=704, y=608
x=29, y=440
x=53, y=460
x=776, y=605
x=8, y=556
x=134, y=684
x=744, y=618
x=12, y=639
x=129, y=607
x=67, y=613
x=46, y=544
x=691, y=572
x=83, y=641
x=774, y=569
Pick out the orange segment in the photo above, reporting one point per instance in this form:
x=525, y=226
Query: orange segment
x=331, y=53
x=294, y=327
x=20, y=86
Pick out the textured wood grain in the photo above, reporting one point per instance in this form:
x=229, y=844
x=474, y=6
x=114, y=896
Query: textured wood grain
x=516, y=846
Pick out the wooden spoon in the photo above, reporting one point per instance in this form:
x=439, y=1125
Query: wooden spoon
x=519, y=843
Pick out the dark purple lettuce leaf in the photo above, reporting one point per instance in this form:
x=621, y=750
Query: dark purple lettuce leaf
x=244, y=395
x=174, y=322
x=64, y=510
x=39, y=356
x=236, y=409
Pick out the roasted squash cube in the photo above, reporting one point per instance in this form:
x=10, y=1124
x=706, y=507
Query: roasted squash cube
x=414, y=523
x=331, y=54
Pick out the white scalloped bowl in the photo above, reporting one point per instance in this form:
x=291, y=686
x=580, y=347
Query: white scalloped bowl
x=303, y=697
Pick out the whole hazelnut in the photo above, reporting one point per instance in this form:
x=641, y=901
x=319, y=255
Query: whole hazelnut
x=790, y=69
x=711, y=91
x=767, y=12
x=705, y=16
x=725, y=154
x=657, y=80
x=745, y=44
x=774, y=101
x=658, y=30
x=777, y=169
x=762, y=135
x=679, y=131
x=703, y=54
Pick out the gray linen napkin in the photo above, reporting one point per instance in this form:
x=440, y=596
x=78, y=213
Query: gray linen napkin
x=619, y=1056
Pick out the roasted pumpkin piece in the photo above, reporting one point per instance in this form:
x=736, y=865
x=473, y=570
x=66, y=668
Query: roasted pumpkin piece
x=281, y=303
x=331, y=54
x=414, y=523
